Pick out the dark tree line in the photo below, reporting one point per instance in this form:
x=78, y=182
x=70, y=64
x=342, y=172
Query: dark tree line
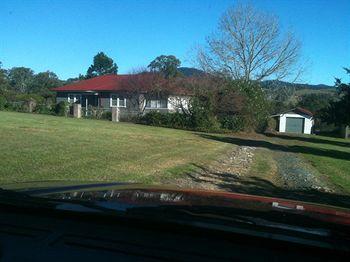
x=23, y=80
x=338, y=111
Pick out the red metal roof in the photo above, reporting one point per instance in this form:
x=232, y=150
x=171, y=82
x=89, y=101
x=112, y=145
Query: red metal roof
x=304, y=111
x=142, y=82
x=297, y=110
x=100, y=83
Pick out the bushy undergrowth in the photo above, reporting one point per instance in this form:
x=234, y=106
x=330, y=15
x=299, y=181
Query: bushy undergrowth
x=228, y=106
x=62, y=108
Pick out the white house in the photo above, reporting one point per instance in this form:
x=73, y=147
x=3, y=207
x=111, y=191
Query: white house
x=297, y=120
x=131, y=94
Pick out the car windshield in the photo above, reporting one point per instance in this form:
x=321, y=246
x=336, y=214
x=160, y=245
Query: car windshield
x=212, y=99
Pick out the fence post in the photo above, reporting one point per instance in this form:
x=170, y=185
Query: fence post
x=77, y=110
x=115, y=114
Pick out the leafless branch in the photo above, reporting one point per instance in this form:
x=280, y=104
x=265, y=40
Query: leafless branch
x=248, y=45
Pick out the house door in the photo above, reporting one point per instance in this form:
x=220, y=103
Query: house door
x=295, y=125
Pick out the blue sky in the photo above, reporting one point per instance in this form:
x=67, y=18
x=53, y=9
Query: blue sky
x=64, y=35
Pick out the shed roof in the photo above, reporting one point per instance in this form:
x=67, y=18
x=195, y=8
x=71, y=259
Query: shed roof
x=297, y=110
x=303, y=110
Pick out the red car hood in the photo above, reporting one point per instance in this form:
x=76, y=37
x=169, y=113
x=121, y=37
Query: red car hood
x=124, y=195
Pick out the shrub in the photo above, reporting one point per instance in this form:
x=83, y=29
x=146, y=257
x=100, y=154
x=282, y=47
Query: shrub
x=9, y=107
x=96, y=113
x=43, y=109
x=234, y=123
x=272, y=124
x=3, y=102
x=132, y=118
x=62, y=108
x=15, y=106
x=107, y=115
x=154, y=118
x=29, y=97
x=92, y=112
x=202, y=113
x=219, y=105
x=178, y=120
x=256, y=108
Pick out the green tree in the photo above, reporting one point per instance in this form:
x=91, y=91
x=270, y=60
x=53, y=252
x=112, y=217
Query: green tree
x=20, y=79
x=43, y=82
x=4, y=83
x=75, y=79
x=256, y=108
x=338, y=111
x=315, y=102
x=166, y=65
x=102, y=65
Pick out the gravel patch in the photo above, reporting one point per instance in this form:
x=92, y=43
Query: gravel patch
x=237, y=162
x=295, y=174
x=231, y=173
x=227, y=170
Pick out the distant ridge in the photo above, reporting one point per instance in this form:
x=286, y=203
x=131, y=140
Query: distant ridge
x=267, y=84
x=276, y=83
x=190, y=71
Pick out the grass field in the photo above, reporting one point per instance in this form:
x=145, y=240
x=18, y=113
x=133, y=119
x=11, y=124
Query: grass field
x=39, y=147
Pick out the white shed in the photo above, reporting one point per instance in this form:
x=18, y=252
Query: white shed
x=297, y=120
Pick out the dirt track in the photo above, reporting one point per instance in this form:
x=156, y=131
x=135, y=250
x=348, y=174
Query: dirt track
x=232, y=171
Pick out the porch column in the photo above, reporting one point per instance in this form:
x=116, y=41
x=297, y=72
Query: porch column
x=115, y=114
x=86, y=106
x=77, y=110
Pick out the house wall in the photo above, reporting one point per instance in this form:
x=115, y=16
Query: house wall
x=308, y=122
x=174, y=103
x=131, y=109
x=61, y=98
x=105, y=100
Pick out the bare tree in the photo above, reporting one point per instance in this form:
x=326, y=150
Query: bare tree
x=180, y=86
x=140, y=85
x=249, y=46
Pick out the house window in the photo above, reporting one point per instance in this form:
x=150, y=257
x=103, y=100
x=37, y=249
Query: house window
x=117, y=101
x=74, y=98
x=121, y=102
x=160, y=103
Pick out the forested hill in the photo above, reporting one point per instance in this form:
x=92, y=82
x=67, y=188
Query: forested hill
x=190, y=71
x=276, y=83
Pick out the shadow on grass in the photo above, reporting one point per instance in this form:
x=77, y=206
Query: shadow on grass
x=315, y=139
x=285, y=148
x=262, y=187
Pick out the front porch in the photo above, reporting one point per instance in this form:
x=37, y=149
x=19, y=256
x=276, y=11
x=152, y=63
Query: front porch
x=87, y=99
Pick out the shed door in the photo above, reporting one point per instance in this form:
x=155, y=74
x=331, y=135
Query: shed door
x=295, y=125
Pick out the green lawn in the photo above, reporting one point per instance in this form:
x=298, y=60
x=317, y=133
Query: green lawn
x=39, y=147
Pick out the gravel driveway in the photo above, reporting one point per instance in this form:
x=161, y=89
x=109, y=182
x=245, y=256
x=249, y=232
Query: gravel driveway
x=297, y=174
x=231, y=172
